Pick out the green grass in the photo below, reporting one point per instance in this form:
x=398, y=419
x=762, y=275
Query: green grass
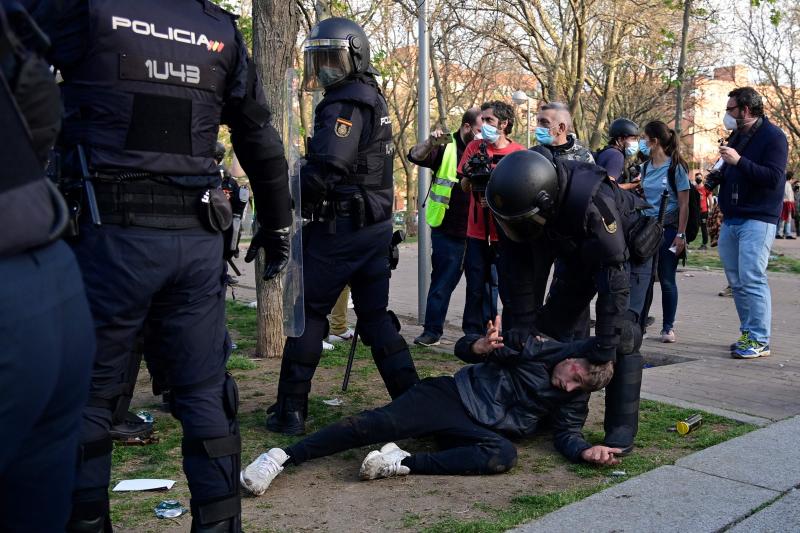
x=240, y=362
x=710, y=258
x=655, y=446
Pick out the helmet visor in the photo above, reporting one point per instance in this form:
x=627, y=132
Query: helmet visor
x=327, y=62
x=526, y=227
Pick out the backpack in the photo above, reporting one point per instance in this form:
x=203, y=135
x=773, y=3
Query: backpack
x=693, y=222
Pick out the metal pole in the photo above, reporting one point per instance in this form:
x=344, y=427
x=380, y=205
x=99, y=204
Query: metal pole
x=528, y=123
x=423, y=174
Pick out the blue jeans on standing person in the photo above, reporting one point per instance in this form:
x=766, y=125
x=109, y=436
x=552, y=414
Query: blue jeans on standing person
x=667, y=266
x=480, y=269
x=744, y=247
x=448, y=265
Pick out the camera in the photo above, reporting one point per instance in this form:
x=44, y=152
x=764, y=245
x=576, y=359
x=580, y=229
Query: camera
x=713, y=179
x=478, y=169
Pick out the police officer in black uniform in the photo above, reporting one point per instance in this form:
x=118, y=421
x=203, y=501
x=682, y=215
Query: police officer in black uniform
x=347, y=192
x=45, y=324
x=573, y=208
x=146, y=85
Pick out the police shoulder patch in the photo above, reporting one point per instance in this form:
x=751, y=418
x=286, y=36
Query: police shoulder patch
x=342, y=127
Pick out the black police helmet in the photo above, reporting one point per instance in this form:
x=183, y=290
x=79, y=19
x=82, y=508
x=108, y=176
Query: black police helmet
x=522, y=193
x=219, y=152
x=622, y=127
x=342, y=28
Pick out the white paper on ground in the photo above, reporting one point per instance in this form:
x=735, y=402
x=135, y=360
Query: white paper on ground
x=127, y=485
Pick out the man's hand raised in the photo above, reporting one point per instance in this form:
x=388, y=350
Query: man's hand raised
x=492, y=340
x=601, y=455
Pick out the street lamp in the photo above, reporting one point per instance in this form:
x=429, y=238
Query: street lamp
x=519, y=98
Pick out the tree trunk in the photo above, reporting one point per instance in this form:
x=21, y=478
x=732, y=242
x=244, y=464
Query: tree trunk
x=437, y=84
x=609, y=87
x=687, y=9
x=275, y=27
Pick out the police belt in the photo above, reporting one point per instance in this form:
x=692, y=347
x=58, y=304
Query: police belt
x=339, y=208
x=147, y=203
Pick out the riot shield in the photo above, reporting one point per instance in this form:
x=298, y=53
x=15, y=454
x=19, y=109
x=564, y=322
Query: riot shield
x=293, y=306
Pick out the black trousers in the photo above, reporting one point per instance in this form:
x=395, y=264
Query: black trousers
x=432, y=408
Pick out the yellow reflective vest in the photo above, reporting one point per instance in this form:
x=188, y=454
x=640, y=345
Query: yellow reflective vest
x=443, y=182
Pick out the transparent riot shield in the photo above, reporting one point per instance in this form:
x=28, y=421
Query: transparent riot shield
x=294, y=321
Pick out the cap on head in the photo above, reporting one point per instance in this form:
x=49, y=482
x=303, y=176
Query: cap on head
x=622, y=127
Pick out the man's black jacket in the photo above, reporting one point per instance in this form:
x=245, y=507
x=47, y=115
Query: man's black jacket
x=510, y=392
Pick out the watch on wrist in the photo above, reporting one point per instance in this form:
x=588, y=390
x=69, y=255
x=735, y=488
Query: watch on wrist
x=681, y=236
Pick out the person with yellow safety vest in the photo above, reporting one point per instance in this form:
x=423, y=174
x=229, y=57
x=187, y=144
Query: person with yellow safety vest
x=446, y=207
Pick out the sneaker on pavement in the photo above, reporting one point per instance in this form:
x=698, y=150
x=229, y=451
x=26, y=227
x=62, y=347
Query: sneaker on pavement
x=779, y=236
x=727, y=292
x=260, y=473
x=790, y=237
x=741, y=342
x=383, y=463
x=327, y=346
x=426, y=339
x=752, y=350
x=346, y=336
x=668, y=335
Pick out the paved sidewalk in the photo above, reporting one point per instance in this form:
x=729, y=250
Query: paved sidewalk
x=748, y=484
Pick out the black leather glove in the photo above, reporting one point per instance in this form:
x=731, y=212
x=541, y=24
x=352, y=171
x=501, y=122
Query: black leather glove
x=276, y=250
x=312, y=192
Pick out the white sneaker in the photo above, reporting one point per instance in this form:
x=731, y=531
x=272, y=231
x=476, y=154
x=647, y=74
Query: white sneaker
x=260, y=473
x=327, y=346
x=384, y=463
x=346, y=336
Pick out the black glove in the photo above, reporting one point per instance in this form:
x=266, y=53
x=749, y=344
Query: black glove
x=312, y=192
x=276, y=250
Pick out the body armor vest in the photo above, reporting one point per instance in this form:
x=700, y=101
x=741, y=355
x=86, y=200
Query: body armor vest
x=149, y=92
x=373, y=169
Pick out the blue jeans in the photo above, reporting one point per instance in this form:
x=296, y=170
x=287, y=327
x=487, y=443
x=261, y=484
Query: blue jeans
x=667, y=266
x=448, y=265
x=744, y=250
x=480, y=269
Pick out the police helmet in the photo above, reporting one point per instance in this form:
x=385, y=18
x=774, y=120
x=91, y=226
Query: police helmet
x=522, y=194
x=335, y=49
x=219, y=152
x=622, y=127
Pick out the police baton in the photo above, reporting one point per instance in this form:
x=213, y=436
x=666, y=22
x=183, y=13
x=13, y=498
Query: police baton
x=350, y=358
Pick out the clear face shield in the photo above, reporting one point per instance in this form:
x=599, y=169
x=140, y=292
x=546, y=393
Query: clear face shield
x=526, y=227
x=327, y=61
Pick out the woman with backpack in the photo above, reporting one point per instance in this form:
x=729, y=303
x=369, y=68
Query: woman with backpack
x=666, y=170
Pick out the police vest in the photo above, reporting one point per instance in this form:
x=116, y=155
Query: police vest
x=32, y=212
x=149, y=92
x=373, y=170
x=442, y=186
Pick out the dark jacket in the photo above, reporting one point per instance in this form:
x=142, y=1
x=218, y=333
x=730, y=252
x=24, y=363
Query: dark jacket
x=510, y=392
x=753, y=189
x=455, y=219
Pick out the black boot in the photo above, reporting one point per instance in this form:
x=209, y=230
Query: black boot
x=224, y=526
x=89, y=517
x=131, y=429
x=622, y=403
x=288, y=415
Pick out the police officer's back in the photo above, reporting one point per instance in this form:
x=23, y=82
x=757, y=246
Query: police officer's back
x=347, y=192
x=146, y=85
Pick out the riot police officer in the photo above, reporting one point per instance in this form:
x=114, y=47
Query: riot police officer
x=574, y=209
x=146, y=85
x=347, y=192
x=45, y=324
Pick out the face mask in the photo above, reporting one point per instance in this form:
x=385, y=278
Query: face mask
x=631, y=149
x=543, y=135
x=730, y=122
x=489, y=133
x=643, y=147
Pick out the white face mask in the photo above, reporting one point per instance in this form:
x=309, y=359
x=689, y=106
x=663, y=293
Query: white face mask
x=729, y=122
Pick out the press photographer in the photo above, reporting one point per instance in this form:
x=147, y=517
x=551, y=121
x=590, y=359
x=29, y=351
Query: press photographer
x=480, y=263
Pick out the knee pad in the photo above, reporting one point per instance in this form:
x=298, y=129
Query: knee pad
x=395, y=366
x=630, y=339
x=394, y=319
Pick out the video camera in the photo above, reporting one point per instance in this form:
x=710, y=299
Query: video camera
x=478, y=169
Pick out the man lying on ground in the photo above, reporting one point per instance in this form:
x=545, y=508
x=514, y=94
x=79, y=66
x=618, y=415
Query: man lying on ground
x=508, y=391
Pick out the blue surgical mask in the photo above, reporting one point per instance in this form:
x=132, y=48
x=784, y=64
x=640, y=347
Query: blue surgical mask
x=489, y=133
x=631, y=149
x=543, y=135
x=643, y=147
